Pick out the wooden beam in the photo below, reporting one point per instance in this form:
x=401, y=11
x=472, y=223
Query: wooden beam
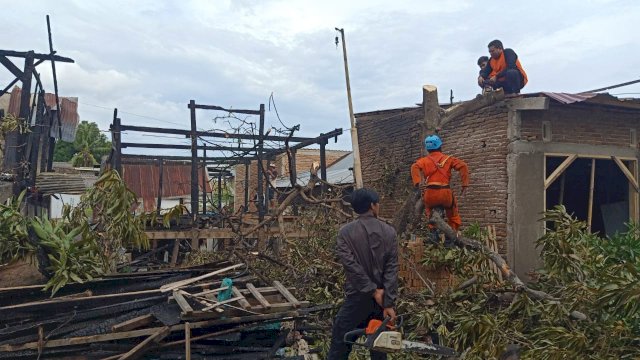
x=145, y=345
x=286, y=294
x=592, y=181
x=632, y=180
x=182, y=283
x=243, y=301
x=220, y=303
x=182, y=302
x=144, y=332
x=11, y=67
x=236, y=111
x=134, y=323
x=35, y=56
x=559, y=170
x=187, y=341
x=256, y=294
x=211, y=134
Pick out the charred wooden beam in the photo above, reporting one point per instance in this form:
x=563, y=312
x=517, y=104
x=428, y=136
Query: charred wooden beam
x=23, y=54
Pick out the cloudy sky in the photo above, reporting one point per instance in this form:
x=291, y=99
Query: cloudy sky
x=148, y=58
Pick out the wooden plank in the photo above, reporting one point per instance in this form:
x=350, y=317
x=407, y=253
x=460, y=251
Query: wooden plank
x=134, y=323
x=143, y=332
x=182, y=283
x=175, y=252
x=256, y=294
x=277, y=307
x=287, y=295
x=51, y=303
x=182, y=302
x=146, y=344
x=627, y=173
x=243, y=302
x=187, y=341
x=220, y=303
x=559, y=170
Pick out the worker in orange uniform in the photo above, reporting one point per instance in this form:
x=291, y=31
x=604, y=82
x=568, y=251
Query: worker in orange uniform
x=432, y=173
x=503, y=70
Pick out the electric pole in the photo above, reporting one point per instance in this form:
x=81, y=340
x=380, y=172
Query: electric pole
x=357, y=170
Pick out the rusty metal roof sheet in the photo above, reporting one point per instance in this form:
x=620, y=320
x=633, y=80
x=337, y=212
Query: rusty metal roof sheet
x=143, y=179
x=69, y=113
x=567, y=98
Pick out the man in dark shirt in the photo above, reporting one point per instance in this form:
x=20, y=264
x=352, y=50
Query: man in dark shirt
x=368, y=250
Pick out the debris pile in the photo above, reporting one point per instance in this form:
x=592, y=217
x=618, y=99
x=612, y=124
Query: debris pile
x=212, y=311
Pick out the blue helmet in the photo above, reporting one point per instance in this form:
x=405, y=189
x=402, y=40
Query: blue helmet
x=432, y=142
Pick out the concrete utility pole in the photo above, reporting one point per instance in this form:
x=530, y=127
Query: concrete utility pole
x=357, y=170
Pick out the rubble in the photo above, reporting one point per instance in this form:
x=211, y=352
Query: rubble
x=213, y=311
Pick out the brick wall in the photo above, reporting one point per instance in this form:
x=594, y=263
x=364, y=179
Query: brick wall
x=304, y=159
x=390, y=142
x=582, y=124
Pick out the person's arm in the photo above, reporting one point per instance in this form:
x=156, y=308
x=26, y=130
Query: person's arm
x=417, y=176
x=362, y=282
x=463, y=169
x=510, y=58
x=390, y=274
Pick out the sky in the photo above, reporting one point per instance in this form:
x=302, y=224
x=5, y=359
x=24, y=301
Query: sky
x=148, y=58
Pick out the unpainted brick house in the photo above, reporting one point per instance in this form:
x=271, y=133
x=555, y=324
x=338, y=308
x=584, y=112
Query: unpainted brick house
x=525, y=155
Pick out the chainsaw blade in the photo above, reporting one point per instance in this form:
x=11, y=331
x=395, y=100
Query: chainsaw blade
x=427, y=349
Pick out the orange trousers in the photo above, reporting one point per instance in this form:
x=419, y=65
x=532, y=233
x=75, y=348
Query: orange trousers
x=442, y=197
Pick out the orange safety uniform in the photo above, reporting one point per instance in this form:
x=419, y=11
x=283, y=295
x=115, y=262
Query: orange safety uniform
x=436, y=169
x=500, y=64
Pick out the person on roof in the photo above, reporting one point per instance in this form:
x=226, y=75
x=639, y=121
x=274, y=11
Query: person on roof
x=483, y=61
x=432, y=174
x=503, y=70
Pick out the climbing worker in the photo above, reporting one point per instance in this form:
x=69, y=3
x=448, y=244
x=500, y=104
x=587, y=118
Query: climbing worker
x=432, y=174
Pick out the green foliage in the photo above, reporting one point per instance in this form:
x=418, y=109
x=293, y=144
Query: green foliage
x=86, y=242
x=590, y=276
x=63, y=151
x=105, y=214
x=72, y=257
x=13, y=231
x=88, y=147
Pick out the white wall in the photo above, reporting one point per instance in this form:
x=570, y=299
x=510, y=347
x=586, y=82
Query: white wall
x=57, y=204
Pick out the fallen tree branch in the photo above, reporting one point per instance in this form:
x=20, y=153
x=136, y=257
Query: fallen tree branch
x=506, y=271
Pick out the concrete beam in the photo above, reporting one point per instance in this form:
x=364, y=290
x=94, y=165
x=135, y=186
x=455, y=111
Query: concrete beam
x=534, y=103
x=582, y=150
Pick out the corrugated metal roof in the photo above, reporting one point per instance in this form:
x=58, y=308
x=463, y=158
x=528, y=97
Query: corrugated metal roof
x=567, y=98
x=338, y=173
x=69, y=113
x=143, y=179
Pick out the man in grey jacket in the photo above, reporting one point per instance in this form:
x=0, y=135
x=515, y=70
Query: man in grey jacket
x=368, y=250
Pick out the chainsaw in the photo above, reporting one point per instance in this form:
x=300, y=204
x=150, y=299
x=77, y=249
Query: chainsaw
x=380, y=337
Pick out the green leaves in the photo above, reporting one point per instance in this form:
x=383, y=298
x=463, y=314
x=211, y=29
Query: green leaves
x=71, y=257
x=14, y=242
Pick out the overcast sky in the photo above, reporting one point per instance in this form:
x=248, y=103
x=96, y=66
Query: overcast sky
x=149, y=58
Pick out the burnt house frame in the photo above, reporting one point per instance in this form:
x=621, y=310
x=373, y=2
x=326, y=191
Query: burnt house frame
x=209, y=153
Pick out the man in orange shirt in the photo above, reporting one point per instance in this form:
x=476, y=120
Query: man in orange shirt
x=503, y=70
x=432, y=173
